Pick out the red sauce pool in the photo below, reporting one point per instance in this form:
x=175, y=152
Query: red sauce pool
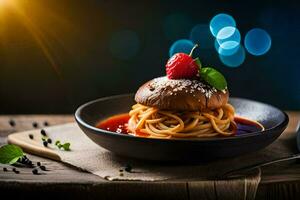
x=118, y=123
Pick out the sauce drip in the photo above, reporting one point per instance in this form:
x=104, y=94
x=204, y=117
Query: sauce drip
x=118, y=124
x=246, y=126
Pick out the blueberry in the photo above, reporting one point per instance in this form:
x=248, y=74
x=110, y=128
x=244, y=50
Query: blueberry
x=35, y=171
x=43, y=132
x=45, y=143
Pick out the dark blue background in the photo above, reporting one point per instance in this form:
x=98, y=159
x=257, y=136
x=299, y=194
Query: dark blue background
x=77, y=36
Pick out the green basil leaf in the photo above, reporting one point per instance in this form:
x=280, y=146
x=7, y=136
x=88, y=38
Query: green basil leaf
x=66, y=146
x=198, y=62
x=9, y=154
x=213, y=78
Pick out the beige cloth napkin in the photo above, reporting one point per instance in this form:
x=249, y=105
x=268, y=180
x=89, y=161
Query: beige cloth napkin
x=88, y=156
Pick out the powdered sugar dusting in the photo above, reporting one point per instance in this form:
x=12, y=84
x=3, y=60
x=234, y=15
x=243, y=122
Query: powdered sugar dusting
x=186, y=85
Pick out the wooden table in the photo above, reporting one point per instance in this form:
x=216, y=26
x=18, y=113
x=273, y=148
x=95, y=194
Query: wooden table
x=278, y=182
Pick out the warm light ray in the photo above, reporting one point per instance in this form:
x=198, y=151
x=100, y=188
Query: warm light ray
x=37, y=35
x=2, y=2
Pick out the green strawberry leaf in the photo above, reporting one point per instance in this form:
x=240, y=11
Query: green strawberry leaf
x=198, y=62
x=213, y=78
x=9, y=154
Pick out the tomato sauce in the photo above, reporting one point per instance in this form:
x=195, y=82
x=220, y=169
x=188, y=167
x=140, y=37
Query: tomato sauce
x=118, y=123
x=246, y=126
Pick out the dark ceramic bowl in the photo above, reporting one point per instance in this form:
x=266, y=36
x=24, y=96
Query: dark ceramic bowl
x=273, y=119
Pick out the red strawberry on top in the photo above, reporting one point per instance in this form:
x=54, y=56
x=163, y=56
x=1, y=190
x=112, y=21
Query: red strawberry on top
x=182, y=66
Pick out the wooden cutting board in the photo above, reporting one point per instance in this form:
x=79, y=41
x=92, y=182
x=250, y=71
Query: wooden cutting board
x=35, y=145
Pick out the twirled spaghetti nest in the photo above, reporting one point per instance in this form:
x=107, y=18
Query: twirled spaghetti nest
x=155, y=123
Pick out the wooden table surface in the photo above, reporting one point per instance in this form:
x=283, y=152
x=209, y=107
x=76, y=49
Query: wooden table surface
x=281, y=181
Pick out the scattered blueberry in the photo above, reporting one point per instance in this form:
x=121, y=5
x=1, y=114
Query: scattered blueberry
x=49, y=140
x=42, y=167
x=12, y=122
x=16, y=171
x=128, y=168
x=35, y=124
x=45, y=143
x=43, y=132
x=35, y=171
x=31, y=136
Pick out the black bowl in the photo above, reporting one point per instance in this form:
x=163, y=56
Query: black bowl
x=273, y=119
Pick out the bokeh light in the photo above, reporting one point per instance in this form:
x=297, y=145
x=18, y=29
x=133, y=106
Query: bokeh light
x=227, y=48
x=220, y=21
x=201, y=35
x=228, y=33
x=235, y=59
x=257, y=41
x=124, y=44
x=183, y=45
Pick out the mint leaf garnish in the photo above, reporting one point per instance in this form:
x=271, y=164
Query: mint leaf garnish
x=213, y=78
x=10, y=154
x=65, y=146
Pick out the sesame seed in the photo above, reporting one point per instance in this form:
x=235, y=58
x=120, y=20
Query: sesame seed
x=189, y=86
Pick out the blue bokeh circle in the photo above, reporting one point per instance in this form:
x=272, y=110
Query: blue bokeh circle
x=181, y=46
x=228, y=33
x=220, y=21
x=227, y=48
x=234, y=60
x=201, y=35
x=257, y=41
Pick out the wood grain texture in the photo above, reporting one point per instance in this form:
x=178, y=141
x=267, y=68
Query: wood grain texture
x=15, y=123
x=281, y=181
x=35, y=145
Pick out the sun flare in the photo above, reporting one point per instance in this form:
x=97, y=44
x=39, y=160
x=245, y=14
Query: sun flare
x=33, y=16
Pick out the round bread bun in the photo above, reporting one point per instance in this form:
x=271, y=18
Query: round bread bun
x=180, y=95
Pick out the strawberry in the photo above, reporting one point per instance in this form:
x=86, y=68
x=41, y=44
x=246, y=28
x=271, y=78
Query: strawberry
x=182, y=66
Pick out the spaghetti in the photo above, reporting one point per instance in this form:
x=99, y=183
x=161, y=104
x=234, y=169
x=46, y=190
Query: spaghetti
x=157, y=123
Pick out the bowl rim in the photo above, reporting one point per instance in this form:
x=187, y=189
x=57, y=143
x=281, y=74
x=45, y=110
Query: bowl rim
x=96, y=130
